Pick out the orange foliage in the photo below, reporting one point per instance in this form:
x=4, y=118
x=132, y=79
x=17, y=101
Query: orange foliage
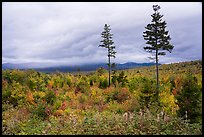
x=109, y=89
x=30, y=98
x=174, y=92
x=4, y=83
x=56, y=93
x=50, y=84
x=177, y=82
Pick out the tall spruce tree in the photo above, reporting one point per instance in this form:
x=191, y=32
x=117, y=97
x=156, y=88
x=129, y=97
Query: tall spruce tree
x=158, y=39
x=107, y=42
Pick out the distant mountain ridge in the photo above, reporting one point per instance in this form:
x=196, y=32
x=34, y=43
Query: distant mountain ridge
x=30, y=65
x=69, y=68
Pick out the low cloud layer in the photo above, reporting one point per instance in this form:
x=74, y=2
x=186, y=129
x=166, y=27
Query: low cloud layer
x=69, y=33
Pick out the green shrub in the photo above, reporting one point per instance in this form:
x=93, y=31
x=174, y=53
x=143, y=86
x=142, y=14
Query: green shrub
x=14, y=75
x=83, y=87
x=119, y=79
x=57, y=104
x=50, y=97
x=134, y=84
x=6, y=93
x=39, y=110
x=91, y=82
x=18, y=94
x=100, y=71
x=103, y=84
x=114, y=78
x=82, y=99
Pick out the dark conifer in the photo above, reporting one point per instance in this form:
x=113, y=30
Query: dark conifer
x=107, y=42
x=157, y=38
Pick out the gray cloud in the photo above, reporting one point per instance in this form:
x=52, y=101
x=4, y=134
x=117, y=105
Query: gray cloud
x=69, y=33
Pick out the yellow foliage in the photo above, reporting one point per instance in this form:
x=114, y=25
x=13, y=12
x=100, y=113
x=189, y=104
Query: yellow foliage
x=50, y=83
x=41, y=94
x=165, y=79
x=168, y=102
x=93, y=93
x=102, y=77
x=58, y=112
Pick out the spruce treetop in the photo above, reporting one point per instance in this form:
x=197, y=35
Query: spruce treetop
x=156, y=35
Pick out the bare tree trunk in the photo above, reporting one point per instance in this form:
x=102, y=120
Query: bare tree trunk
x=157, y=72
x=109, y=66
x=109, y=71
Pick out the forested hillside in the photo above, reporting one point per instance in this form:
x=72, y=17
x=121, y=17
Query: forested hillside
x=82, y=103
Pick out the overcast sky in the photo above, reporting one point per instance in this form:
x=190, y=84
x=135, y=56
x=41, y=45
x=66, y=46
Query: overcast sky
x=69, y=33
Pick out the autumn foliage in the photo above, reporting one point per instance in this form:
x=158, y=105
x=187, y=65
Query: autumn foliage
x=63, y=103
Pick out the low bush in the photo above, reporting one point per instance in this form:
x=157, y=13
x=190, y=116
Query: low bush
x=103, y=84
x=50, y=97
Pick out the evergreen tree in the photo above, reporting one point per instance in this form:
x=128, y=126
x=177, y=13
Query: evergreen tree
x=122, y=78
x=107, y=42
x=158, y=39
x=114, y=74
x=190, y=99
x=147, y=92
x=100, y=71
